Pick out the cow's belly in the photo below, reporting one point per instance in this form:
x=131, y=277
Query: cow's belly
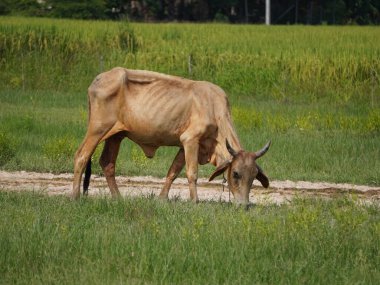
x=152, y=136
x=155, y=121
x=152, y=140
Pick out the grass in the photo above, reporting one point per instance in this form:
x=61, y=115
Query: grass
x=42, y=130
x=139, y=241
x=314, y=91
x=334, y=63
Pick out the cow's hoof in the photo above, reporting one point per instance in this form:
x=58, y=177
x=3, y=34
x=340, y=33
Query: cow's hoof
x=116, y=196
x=74, y=197
x=195, y=200
x=162, y=198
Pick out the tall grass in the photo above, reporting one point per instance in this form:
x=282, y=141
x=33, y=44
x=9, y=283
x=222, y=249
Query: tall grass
x=138, y=241
x=281, y=62
x=57, y=54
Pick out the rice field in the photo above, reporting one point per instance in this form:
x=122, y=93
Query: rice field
x=280, y=61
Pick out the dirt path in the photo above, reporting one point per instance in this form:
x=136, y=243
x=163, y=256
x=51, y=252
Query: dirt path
x=279, y=191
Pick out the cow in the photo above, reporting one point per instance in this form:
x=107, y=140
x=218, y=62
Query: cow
x=154, y=109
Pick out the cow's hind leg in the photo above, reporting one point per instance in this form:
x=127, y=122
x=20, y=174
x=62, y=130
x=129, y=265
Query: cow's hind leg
x=108, y=161
x=82, y=156
x=191, y=148
x=174, y=170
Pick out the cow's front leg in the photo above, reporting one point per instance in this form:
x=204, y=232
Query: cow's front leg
x=174, y=170
x=191, y=148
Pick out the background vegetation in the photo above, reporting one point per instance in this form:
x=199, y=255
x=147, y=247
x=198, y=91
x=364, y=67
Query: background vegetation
x=313, y=90
x=139, y=241
x=340, y=12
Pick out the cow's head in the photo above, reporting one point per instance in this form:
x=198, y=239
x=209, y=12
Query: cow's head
x=241, y=171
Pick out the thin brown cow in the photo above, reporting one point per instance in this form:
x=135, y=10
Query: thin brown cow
x=153, y=110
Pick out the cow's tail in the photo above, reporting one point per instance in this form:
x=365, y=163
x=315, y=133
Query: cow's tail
x=87, y=175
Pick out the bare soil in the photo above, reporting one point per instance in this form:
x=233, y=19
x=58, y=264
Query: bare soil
x=279, y=191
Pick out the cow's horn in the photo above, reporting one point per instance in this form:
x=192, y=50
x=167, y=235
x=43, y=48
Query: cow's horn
x=230, y=149
x=262, y=151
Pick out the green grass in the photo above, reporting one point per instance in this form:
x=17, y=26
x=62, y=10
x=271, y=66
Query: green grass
x=144, y=241
x=41, y=131
x=309, y=63
x=314, y=91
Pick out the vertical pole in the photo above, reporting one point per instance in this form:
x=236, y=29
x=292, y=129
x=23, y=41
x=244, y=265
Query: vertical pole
x=22, y=72
x=189, y=64
x=373, y=75
x=267, y=12
x=296, y=21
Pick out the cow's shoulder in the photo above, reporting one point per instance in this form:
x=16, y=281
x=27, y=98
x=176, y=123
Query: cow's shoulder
x=207, y=91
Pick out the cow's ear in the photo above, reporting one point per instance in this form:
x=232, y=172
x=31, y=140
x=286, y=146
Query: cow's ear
x=262, y=177
x=220, y=169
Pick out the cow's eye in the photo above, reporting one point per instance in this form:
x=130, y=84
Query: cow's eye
x=236, y=175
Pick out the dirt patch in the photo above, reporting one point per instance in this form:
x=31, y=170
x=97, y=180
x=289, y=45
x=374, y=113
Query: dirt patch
x=278, y=193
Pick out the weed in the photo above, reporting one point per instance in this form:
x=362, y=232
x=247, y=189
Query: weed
x=59, y=149
x=305, y=123
x=373, y=122
x=138, y=157
x=127, y=38
x=278, y=123
x=247, y=118
x=7, y=148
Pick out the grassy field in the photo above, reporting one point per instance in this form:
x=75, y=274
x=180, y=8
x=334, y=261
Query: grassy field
x=51, y=240
x=314, y=91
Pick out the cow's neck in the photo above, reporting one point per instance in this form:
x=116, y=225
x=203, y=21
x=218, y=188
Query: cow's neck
x=225, y=131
